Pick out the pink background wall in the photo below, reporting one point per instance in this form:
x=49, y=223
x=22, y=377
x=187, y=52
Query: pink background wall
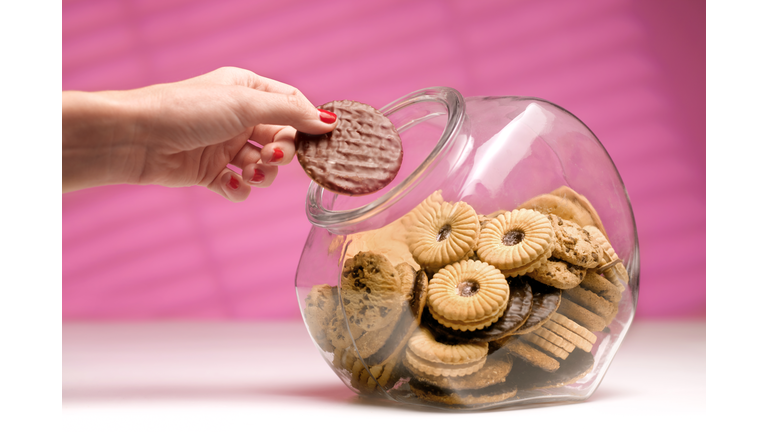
x=634, y=71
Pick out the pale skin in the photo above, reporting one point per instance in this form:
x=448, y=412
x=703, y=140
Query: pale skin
x=186, y=133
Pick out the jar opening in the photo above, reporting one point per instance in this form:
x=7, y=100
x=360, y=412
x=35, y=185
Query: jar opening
x=428, y=122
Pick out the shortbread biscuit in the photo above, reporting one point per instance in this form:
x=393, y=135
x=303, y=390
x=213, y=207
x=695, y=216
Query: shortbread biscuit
x=573, y=244
x=575, y=339
x=574, y=327
x=468, y=295
x=425, y=355
x=544, y=345
x=559, y=274
x=592, y=302
x=590, y=320
x=441, y=234
x=532, y=355
x=571, y=370
x=516, y=242
x=554, y=339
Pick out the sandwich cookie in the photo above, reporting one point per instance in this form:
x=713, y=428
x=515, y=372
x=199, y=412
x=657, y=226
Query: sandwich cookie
x=486, y=386
x=516, y=242
x=519, y=308
x=468, y=295
x=442, y=233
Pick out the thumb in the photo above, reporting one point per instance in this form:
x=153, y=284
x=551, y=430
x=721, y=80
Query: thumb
x=258, y=107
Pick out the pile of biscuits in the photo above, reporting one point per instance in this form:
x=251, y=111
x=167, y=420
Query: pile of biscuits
x=468, y=309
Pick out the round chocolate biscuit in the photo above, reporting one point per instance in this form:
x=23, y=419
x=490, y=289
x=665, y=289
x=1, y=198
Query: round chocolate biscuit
x=360, y=156
x=546, y=300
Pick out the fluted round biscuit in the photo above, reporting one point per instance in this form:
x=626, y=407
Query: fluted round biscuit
x=573, y=244
x=426, y=355
x=360, y=156
x=516, y=314
x=441, y=234
x=559, y=274
x=515, y=240
x=494, y=371
x=611, y=254
x=468, y=295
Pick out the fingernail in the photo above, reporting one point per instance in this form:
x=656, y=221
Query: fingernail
x=327, y=116
x=233, y=183
x=258, y=177
x=277, y=156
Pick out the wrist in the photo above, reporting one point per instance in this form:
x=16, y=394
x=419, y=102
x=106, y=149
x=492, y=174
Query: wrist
x=97, y=140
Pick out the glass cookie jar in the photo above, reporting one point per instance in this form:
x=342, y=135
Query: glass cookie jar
x=499, y=268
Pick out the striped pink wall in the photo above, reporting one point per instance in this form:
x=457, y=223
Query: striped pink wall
x=634, y=71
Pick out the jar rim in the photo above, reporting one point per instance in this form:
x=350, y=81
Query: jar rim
x=332, y=220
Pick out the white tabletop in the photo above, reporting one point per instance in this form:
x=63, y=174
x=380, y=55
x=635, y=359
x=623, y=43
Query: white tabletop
x=251, y=376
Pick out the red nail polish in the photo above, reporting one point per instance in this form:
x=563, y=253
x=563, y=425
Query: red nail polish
x=327, y=116
x=277, y=156
x=233, y=184
x=258, y=177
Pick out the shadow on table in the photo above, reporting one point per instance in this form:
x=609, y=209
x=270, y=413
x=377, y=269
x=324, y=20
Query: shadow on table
x=327, y=393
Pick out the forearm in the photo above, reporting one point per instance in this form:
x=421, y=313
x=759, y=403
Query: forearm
x=97, y=140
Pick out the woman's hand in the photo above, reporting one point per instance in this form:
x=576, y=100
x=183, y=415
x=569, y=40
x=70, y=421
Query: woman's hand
x=186, y=133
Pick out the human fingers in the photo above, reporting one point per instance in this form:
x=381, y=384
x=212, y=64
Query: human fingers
x=230, y=185
x=277, y=141
x=248, y=154
x=259, y=175
x=247, y=78
x=256, y=107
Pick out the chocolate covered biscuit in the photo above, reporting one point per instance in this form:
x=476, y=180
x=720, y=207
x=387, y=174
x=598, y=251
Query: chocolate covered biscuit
x=360, y=156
